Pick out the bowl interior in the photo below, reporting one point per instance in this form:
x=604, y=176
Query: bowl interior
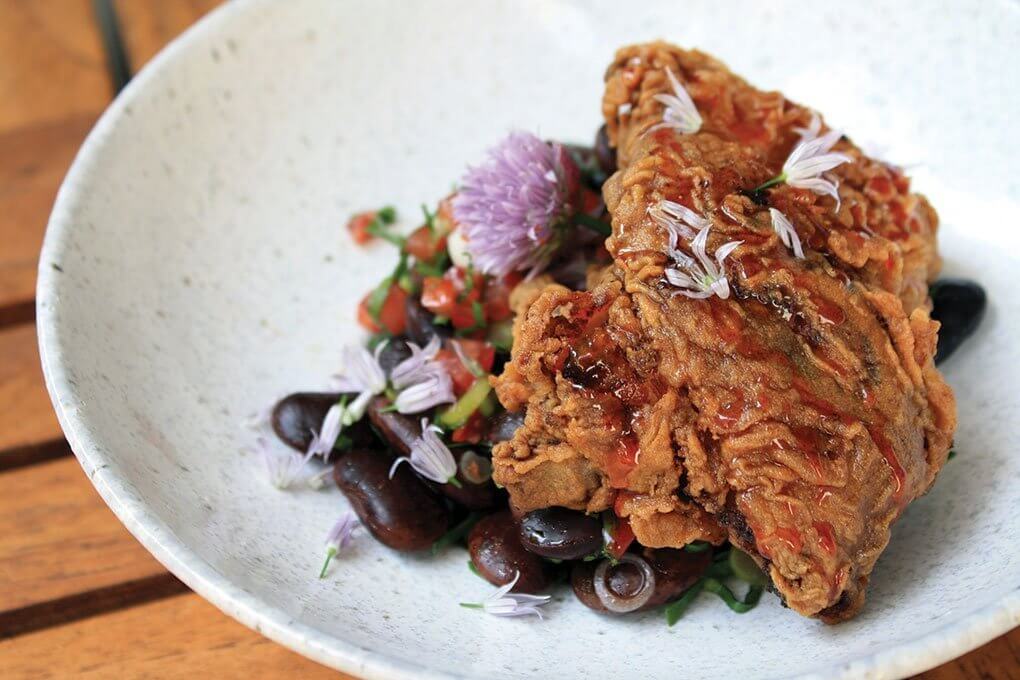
x=205, y=271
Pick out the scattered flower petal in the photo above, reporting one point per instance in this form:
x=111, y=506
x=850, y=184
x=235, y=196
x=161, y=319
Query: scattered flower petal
x=786, y=232
x=324, y=440
x=811, y=131
x=504, y=603
x=702, y=278
x=429, y=457
x=320, y=479
x=678, y=220
x=283, y=468
x=339, y=537
x=680, y=113
x=511, y=206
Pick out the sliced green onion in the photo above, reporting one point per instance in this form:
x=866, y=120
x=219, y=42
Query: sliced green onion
x=676, y=609
x=384, y=217
x=458, y=413
x=489, y=406
x=501, y=335
x=739, y=606
x=377, y=298
x=720, y=569
x=746, y=569
x=593, y=223
x=697, y=546
x=456, y=533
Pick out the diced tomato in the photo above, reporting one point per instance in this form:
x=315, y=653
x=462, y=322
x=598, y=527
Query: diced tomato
x=458, y=372
x=365, y=317
x=443, y=221
x=471, y=431
x=447, y=296
x=591, y=201
x=497, y=297
x=482, y=352
x=392, y=314
x=620, y=537
x=424, y=245
x=358, y=226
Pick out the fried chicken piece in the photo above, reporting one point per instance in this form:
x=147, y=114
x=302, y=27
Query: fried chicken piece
x=798, y=417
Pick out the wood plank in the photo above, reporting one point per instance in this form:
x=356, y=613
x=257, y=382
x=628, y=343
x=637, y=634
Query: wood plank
x=27, y=421
x=148, y=25
x=997, y=660
x=58, y=540
x=53, y=63
x=180, y=637
x=36, y=159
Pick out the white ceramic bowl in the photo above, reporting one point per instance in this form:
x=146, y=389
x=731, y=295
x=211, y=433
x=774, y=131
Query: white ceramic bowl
x=204, y=271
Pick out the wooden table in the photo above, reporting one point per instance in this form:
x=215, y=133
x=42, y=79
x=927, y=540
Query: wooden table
x=78, y=595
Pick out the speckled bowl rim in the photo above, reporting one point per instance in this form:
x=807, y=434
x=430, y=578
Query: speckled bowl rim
x=939, y=646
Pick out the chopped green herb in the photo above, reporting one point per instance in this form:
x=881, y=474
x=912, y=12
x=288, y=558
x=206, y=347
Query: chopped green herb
x=501, y=335
x=676, y=609
x=377, y=298
x=385, y=217
x=697, y=546
x=441, y=320
x=595, y=224
x=952, y=454
x=474, y=569
x=430, y=218
x=737, y=605
x=479, y=314
x=387, y=214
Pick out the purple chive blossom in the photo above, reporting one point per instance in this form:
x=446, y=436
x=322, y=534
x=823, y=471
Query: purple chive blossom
x=786, y=232
x=511, y=206
x=362, y=374
x=680, y=113
x=429, y=457
x=283, y=468
x=339, y=537
x=702, y=278
x=504, y=603
x=678, y=220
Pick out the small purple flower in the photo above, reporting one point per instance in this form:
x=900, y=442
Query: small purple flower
x=510, y=208
x=434, y=388
x=339, y=537
x=786, y=232
x=416, y=367
x=324, y=440
x=701, y=278
x=283, y=468
x=430, y=457
x=504, y=603
x=362, y=374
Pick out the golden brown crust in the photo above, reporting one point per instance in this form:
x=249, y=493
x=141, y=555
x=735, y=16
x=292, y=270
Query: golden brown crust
x=803, y=413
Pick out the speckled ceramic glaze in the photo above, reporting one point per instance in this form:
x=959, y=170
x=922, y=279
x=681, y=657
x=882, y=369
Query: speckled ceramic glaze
x=196, y=268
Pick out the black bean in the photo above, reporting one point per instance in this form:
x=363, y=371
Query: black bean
x=605, y=153
x=295, y=417
x=561, y=533
x=420, y=326
x=395, y=351
x=397, y=430
x=675, y=572
x=959, y=305
x=402, y=513
x=497, y=553
x=503, y=426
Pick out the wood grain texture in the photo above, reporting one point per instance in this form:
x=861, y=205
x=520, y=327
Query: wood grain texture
x=51, y=62
x=35, y=160
x=997, y=660
x=148, y=25
x=58, y=539
x=26, y=415
x=181, y=637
